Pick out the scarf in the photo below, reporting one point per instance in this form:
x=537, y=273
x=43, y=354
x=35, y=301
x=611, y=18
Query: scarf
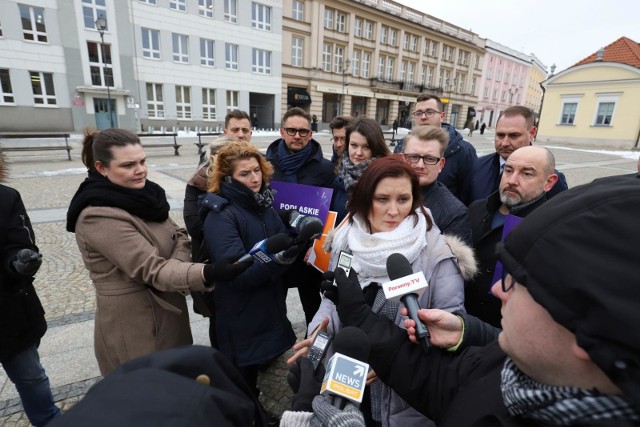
x=559, y=406
x=290, y=163
x=370, y=251
x=235, y=191
x=149, y=203
x=350, y=173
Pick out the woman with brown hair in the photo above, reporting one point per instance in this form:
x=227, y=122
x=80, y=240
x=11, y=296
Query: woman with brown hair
x=250, y=310
x=386, y=216
x=138, y=258
x=365, y=143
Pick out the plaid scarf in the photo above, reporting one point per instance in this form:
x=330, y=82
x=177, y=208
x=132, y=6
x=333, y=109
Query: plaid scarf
x=559, y=406
x=350, y=173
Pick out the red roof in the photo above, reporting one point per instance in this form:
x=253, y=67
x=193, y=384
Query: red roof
x=624, y=50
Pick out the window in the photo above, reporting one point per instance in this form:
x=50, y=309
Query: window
x=473, y=86
x=205, y=8
x=605, y=113
x=326, y=57
x=366, y=62
x=230, y=56
x=42, y=86
x=384, y=33
x=207, y=55
x=208, y=104
x=155, y=101
x=260, y=16
x=100, y=68
x=495, y=94
x=498, y=75
x=410, y=73
x=434, y=49
x=341, y=22
x=298, y=10
x=486, y=92
x=231, y=11
x=328, y=19
x=390, y=64
x=568, y=113
x=296, y=51
x=357, y=27
x=490, y=73
x=368, y=30
x=0, y=29
x=406, y=41
x=477, y=62
x=381, y=61
x=180, y=48
x=403, y=70
x=91, y=9
x=450, y=53
x=504, y=95
x=183, y=102
x=355, y=63
x=148, y=1
x=414, y=43
x=460, y=78
x=6, y=93
x=261, y=61
x=338, y=58
x=180, y=5
x=393, y=36
x=430, y=72
x=150, y=43
x=33, y=26
x=232, y=100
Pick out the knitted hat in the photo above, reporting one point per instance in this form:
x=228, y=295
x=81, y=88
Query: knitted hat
x=579, y=257
x=186, y=386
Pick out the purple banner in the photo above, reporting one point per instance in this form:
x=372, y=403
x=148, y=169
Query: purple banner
x=307, y=199
x=510, y=221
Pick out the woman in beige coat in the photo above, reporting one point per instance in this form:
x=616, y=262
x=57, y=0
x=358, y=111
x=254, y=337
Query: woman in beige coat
x=137, y=257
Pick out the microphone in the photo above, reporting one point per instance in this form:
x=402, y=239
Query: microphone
x=264, y=250
x=346, y=375
x=407, y=286
x=307, y=227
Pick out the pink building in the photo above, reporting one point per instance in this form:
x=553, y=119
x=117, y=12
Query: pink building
x=503, y=82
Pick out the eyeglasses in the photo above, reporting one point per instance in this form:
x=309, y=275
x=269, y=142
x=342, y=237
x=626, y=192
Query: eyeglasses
x=339, y=139
x=301, y=132
x=428, y=113
x=428, y=160
x=507, y=285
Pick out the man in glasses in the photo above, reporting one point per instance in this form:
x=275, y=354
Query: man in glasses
x=529, y=174
x=514, y=129
x=460, y=155
x=424, y=150
x=568, y=353
x=296, y=157
x=338, y=128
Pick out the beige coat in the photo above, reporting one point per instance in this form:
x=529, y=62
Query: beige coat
x=141, y=273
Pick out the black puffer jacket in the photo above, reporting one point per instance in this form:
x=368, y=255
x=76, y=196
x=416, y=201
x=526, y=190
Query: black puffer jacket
x=22, y=321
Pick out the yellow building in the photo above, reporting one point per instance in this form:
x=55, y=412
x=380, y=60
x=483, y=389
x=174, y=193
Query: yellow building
x=596, y=102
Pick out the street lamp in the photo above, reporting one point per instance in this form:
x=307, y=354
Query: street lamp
x=344, y=68
x=101, y=25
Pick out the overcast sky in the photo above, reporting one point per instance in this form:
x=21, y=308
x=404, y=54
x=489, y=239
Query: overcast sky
x=556, y=31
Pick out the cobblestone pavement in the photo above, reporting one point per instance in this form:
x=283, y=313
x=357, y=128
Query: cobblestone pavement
x=47, y=184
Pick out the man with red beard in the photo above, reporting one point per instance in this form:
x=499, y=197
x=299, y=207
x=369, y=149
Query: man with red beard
x=529, y=173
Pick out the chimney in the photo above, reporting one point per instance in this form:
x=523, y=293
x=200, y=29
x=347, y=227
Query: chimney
x=600, y=55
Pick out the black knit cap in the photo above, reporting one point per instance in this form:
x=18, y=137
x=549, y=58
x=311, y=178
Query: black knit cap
x=579, y=257
x=185, y=386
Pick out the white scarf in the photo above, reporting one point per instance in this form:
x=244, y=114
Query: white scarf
x=370, y=251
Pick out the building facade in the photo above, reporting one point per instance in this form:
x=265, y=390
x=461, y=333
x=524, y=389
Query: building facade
x=164, y=64
x=373, y=58
x=595, y=102
x=504, y=81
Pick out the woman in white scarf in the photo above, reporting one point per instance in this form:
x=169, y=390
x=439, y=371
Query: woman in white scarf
x=387, y=216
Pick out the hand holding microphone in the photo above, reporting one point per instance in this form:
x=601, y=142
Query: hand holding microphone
x=407, y=286
x=306, y=227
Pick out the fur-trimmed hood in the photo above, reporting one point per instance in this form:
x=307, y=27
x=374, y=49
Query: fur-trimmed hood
x=463, y=253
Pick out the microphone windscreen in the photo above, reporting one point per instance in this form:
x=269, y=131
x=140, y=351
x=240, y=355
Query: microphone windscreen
x=277, y=243
x=352, y=342
x=398, y=266
x=309, y=227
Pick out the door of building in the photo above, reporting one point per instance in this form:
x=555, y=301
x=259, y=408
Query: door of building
x=101, y=109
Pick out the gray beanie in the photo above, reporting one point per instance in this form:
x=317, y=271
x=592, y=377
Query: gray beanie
x=579, y=257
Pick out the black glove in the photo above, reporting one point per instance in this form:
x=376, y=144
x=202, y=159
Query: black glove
x=305, y=383
x=351, y=305
x=225, y=270
x=26, y=262
x=288, y=256
x=328, y=289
